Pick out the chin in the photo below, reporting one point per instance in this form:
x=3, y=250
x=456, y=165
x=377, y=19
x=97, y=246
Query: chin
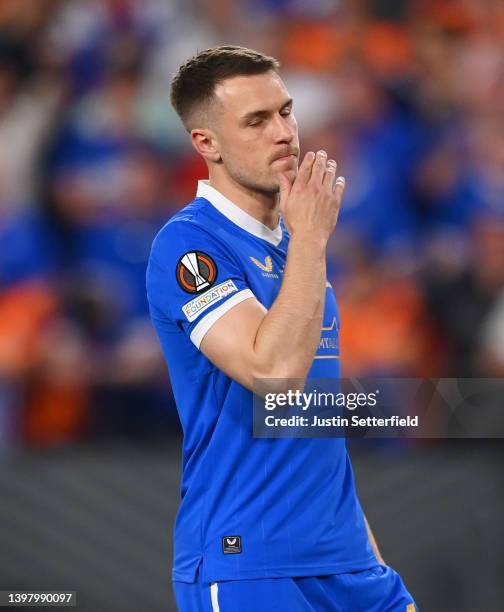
x=291, y=173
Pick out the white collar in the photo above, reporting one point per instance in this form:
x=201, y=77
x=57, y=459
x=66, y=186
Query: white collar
x=238, y=216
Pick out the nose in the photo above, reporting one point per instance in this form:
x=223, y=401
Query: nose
x=284, y=129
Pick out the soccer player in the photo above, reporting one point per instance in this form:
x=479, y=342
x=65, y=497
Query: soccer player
x=238, y=291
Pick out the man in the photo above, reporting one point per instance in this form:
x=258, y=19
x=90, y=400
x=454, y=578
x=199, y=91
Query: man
x=238, y=291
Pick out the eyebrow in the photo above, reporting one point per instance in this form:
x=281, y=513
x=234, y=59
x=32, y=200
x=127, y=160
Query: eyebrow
x=262, y=113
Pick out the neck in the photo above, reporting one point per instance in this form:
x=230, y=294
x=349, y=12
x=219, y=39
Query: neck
x=261, y=206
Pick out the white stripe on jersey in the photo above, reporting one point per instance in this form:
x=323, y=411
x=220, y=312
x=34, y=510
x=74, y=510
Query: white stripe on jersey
x=204, y=324
x=214, y=591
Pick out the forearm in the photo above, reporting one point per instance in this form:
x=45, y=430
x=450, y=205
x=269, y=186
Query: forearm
x=249, y=342
x=288, y=336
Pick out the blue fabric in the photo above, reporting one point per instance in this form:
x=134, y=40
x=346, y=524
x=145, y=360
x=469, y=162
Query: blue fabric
x=291, y=501
x=373, y=590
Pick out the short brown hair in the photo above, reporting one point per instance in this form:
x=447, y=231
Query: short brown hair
x=195, y=82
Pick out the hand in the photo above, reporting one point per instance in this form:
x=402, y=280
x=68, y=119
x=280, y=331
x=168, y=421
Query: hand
x=310, y=205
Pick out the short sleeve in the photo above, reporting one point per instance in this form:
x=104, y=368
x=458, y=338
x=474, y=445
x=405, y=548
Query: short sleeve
x=192, y=279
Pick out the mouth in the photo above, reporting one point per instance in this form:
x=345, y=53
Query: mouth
x=286, y=158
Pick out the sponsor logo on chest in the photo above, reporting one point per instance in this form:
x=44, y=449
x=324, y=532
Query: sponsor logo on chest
x=266, y=267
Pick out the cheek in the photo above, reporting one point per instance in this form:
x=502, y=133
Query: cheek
x=240, y=145
x=247, y=151
x=241, y=159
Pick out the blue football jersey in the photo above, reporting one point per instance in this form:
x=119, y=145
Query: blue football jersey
x=250, y=508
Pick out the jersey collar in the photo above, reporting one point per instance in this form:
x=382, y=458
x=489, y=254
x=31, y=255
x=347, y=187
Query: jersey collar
x=238, y=216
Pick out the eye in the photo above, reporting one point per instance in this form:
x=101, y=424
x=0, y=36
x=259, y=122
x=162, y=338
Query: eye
x=285, y=112
x=255, y=122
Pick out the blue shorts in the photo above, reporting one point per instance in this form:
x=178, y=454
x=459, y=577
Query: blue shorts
x=374, y=590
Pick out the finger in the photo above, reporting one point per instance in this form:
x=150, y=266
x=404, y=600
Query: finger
x=339, y=186
x=319, y=167
x=330, y=174
x=284, y=191
x=305, y=169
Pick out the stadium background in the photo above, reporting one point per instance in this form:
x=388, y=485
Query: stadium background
x=408, y=96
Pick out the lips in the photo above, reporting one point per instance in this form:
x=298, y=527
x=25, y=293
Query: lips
x=287, y=157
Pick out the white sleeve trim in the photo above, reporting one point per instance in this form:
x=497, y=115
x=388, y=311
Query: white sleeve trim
x=201, y=328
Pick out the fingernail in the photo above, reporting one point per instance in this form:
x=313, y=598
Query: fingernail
x=322, y=153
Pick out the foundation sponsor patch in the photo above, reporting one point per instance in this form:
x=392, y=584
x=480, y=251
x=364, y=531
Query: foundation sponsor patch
x=199, y=304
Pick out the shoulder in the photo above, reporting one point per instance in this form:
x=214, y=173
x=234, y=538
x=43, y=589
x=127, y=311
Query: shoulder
x=188, y=228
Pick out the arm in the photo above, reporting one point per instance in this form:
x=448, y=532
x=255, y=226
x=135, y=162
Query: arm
x=373, y=543
x=250, y=342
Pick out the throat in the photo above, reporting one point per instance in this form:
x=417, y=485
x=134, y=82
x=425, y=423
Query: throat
x=262, y=206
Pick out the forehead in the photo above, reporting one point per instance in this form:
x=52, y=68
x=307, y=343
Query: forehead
x=243, y=94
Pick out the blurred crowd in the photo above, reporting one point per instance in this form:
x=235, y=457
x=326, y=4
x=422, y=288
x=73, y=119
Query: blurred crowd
x=407, y=95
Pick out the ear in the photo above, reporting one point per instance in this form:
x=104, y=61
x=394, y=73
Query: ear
x=205, y=142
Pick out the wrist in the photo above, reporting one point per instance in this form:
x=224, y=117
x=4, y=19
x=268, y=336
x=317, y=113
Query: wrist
x=311, y=239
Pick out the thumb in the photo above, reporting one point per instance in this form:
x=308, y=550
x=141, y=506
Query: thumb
x=284, y=190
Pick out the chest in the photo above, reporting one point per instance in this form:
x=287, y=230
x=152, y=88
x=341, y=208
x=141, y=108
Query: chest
x=264, y=268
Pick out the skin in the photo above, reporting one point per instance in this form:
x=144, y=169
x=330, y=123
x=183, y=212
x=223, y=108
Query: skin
x=250, y=143
x=250, y=126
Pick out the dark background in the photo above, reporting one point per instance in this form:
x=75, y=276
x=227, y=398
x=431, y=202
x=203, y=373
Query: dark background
x=97, y=519
x=408, y=97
